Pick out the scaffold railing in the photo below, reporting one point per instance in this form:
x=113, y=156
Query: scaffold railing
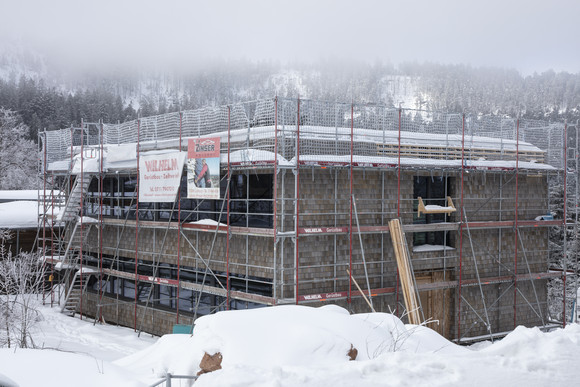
x=379, y=132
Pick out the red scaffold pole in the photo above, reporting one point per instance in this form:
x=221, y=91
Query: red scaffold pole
x=52, y=239
x=565, y=224
x=516, y=222
x=297, y=232
x=82, y=213
x=461, y=230
x=44, y=224
x=179, y=226
x=350, y=205
x=398, y=211
x=137, y=226
x=275, y=194
x=101, y=179
x=228, y=218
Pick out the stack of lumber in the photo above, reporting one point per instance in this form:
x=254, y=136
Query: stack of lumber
x=405, y=271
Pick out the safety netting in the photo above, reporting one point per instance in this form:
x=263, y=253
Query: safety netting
x=317, y=131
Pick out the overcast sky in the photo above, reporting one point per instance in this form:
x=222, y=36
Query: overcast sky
x=528, y=35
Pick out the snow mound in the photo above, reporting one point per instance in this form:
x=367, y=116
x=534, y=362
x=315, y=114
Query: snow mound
x=285, y=336
x=531, y=350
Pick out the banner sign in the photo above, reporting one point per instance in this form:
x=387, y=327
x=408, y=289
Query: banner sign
x=160, y=176
x=203, y=168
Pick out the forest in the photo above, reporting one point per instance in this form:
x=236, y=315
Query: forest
x=48, y=100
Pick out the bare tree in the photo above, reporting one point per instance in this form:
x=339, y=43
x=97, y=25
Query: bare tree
x=21, y=281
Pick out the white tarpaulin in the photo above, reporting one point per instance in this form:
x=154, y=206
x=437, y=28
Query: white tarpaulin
x=160, y=176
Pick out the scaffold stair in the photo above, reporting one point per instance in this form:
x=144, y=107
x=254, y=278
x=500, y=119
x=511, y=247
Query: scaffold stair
x=73, y=204
x=73, y=246
x=76, y=290
x=70, y=262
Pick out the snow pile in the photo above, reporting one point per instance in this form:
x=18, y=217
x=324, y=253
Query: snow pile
x=290, y=346
x=74, y=353
x=285, y=336
x=531, y=350
x=75, y=369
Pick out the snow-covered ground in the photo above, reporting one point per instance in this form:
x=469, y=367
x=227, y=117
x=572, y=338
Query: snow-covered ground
x=290, y=346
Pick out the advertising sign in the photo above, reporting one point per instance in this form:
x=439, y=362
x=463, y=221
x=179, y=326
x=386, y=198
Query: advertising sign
x=159, y=177
x=203, y=168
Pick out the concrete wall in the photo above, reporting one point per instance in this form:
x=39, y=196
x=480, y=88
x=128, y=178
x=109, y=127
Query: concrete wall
x=155, y=321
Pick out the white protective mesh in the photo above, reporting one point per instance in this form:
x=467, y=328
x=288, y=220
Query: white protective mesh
x=329, y=130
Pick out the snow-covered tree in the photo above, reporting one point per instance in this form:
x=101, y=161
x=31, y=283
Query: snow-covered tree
x=557, y=259
x=18, y=154
x=21, y=282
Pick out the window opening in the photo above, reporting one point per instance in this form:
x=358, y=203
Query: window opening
x=434, y=191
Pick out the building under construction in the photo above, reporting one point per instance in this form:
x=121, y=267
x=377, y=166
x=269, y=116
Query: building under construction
x=436, y=217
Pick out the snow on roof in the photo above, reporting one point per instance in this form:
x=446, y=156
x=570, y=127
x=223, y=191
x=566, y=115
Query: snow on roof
x=23, y=194
x=252, y=156
x=420, y=162
x=19, y=214
x=119, y=157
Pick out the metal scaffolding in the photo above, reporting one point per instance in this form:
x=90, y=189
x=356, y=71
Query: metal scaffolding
x=314, y=141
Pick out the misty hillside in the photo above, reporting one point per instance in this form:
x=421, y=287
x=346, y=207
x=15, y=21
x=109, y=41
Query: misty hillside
x=45, y=96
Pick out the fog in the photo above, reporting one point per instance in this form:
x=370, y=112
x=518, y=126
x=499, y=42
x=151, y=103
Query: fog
x=529, y=36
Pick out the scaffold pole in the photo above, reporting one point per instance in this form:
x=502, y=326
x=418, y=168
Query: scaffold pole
x=516, y=221
x=350, y=204
x=297, y=198
x=564, y=247
x=137, y=223
x=461, y=229
x=228, y=218
x=179, y=225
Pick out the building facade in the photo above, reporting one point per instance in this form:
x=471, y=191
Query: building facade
x=306, y=192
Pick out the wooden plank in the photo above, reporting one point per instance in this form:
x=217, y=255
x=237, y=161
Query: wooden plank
x=405, y=273
x=435, y=209
x=455, y=153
